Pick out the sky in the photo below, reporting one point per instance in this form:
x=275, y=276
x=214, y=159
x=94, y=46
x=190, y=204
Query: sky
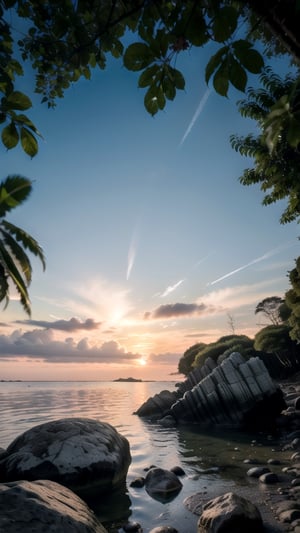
x=151, y=242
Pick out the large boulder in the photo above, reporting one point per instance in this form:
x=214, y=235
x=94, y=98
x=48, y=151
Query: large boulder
x=39, y=506
x=230, y=513
x=82, y=454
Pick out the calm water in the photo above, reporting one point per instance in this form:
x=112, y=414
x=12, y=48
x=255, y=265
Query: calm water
x=213, y=461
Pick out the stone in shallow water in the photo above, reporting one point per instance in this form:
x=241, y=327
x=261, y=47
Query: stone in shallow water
x=230, y=513
x=82, y=454
x=40, y=506
x=161, y=484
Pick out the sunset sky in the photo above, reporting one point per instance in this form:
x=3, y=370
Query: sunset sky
x=151, y=242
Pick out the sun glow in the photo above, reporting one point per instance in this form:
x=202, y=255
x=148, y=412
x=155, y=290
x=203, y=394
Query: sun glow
x=142, y=361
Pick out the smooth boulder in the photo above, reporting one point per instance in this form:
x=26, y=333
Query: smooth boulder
x=84, y=455
x=161, y=484
x=39, y=506
x=230, y=513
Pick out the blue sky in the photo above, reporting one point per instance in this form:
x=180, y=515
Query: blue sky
x=151, y=242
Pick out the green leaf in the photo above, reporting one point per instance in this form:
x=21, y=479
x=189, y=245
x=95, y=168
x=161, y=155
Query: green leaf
x=215, y=62
x=151, y=100
x=138, y=56
x=293, y=134
x=237, y=75
x=10, y=136
x=225, y=23
x=14, y=190
x=221, y=79
x=29, y=143
x=18, y=100
x=178, y=79
x=168, y=88
x=147, y=76
x=250, y=59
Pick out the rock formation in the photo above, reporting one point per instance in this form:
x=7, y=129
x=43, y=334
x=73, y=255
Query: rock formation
x=39, y=506
x=82, y=454
x=236, y=393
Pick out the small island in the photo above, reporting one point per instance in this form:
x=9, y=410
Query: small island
x=128, y=379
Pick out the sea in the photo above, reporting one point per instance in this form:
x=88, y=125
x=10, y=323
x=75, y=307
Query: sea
x=213, y=460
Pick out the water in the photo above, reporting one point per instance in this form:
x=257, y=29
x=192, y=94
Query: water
x=213, y=461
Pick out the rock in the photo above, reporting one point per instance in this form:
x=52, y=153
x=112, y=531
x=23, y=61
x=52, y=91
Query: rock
x=230, y=513
x=162, y=484
x=39, y=506
x=178, y=471
x=138, y=482
x=132, y=527
x=268, y=478
x=82, y=454
x=158, y=406
x=257, y=471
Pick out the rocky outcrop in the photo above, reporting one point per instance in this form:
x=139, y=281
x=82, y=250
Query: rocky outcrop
x=82, y=454
x=43, y=505
x=230, y=513
x=235, y=393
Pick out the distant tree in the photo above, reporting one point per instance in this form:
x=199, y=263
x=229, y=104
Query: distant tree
x=276, y=164
x=15, y=266
x=271, y=307
x=231, y=323
x=185, y=365
x=292, y=299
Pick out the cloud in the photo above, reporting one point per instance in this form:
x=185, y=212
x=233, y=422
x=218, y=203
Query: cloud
x=172, y=288
x=64, y=325
x=196, y=115
x=178, y=310
x=42, y=345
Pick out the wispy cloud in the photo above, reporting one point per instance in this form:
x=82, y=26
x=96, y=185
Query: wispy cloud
x=263, y=257
x=132, y=253
x=171, y=288
x=196, y=115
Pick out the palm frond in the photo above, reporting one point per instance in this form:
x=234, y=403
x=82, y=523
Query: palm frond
x=18, y=252
x=13, y=273
x=27, y=241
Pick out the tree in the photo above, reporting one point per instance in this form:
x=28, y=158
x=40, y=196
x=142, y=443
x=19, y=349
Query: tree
x=65, y=40
x=185, y=364
x=276, y=341
x=15, y=265
x=292, y=299
x=277, y=170
x=270, y=307
x=223, y=347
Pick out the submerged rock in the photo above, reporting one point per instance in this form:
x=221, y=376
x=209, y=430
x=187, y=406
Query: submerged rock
x=39, y=506
x=82, y=454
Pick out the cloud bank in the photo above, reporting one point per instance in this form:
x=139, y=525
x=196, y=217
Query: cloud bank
x=178, y=310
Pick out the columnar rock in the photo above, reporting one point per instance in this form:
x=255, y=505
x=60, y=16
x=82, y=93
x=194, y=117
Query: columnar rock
x=82, y=454
x=235, y=393
x=39, y=506
x=158, y=405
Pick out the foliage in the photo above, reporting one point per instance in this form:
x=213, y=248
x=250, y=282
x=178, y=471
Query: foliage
x=277, y=170
x=292, y=299
x=185, y=364
x=65, y=40
x=225, y=345
x=15, y=265
x=275, y=340
x=270, y=307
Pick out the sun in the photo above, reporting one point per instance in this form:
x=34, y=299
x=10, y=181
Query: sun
x=142, y=361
